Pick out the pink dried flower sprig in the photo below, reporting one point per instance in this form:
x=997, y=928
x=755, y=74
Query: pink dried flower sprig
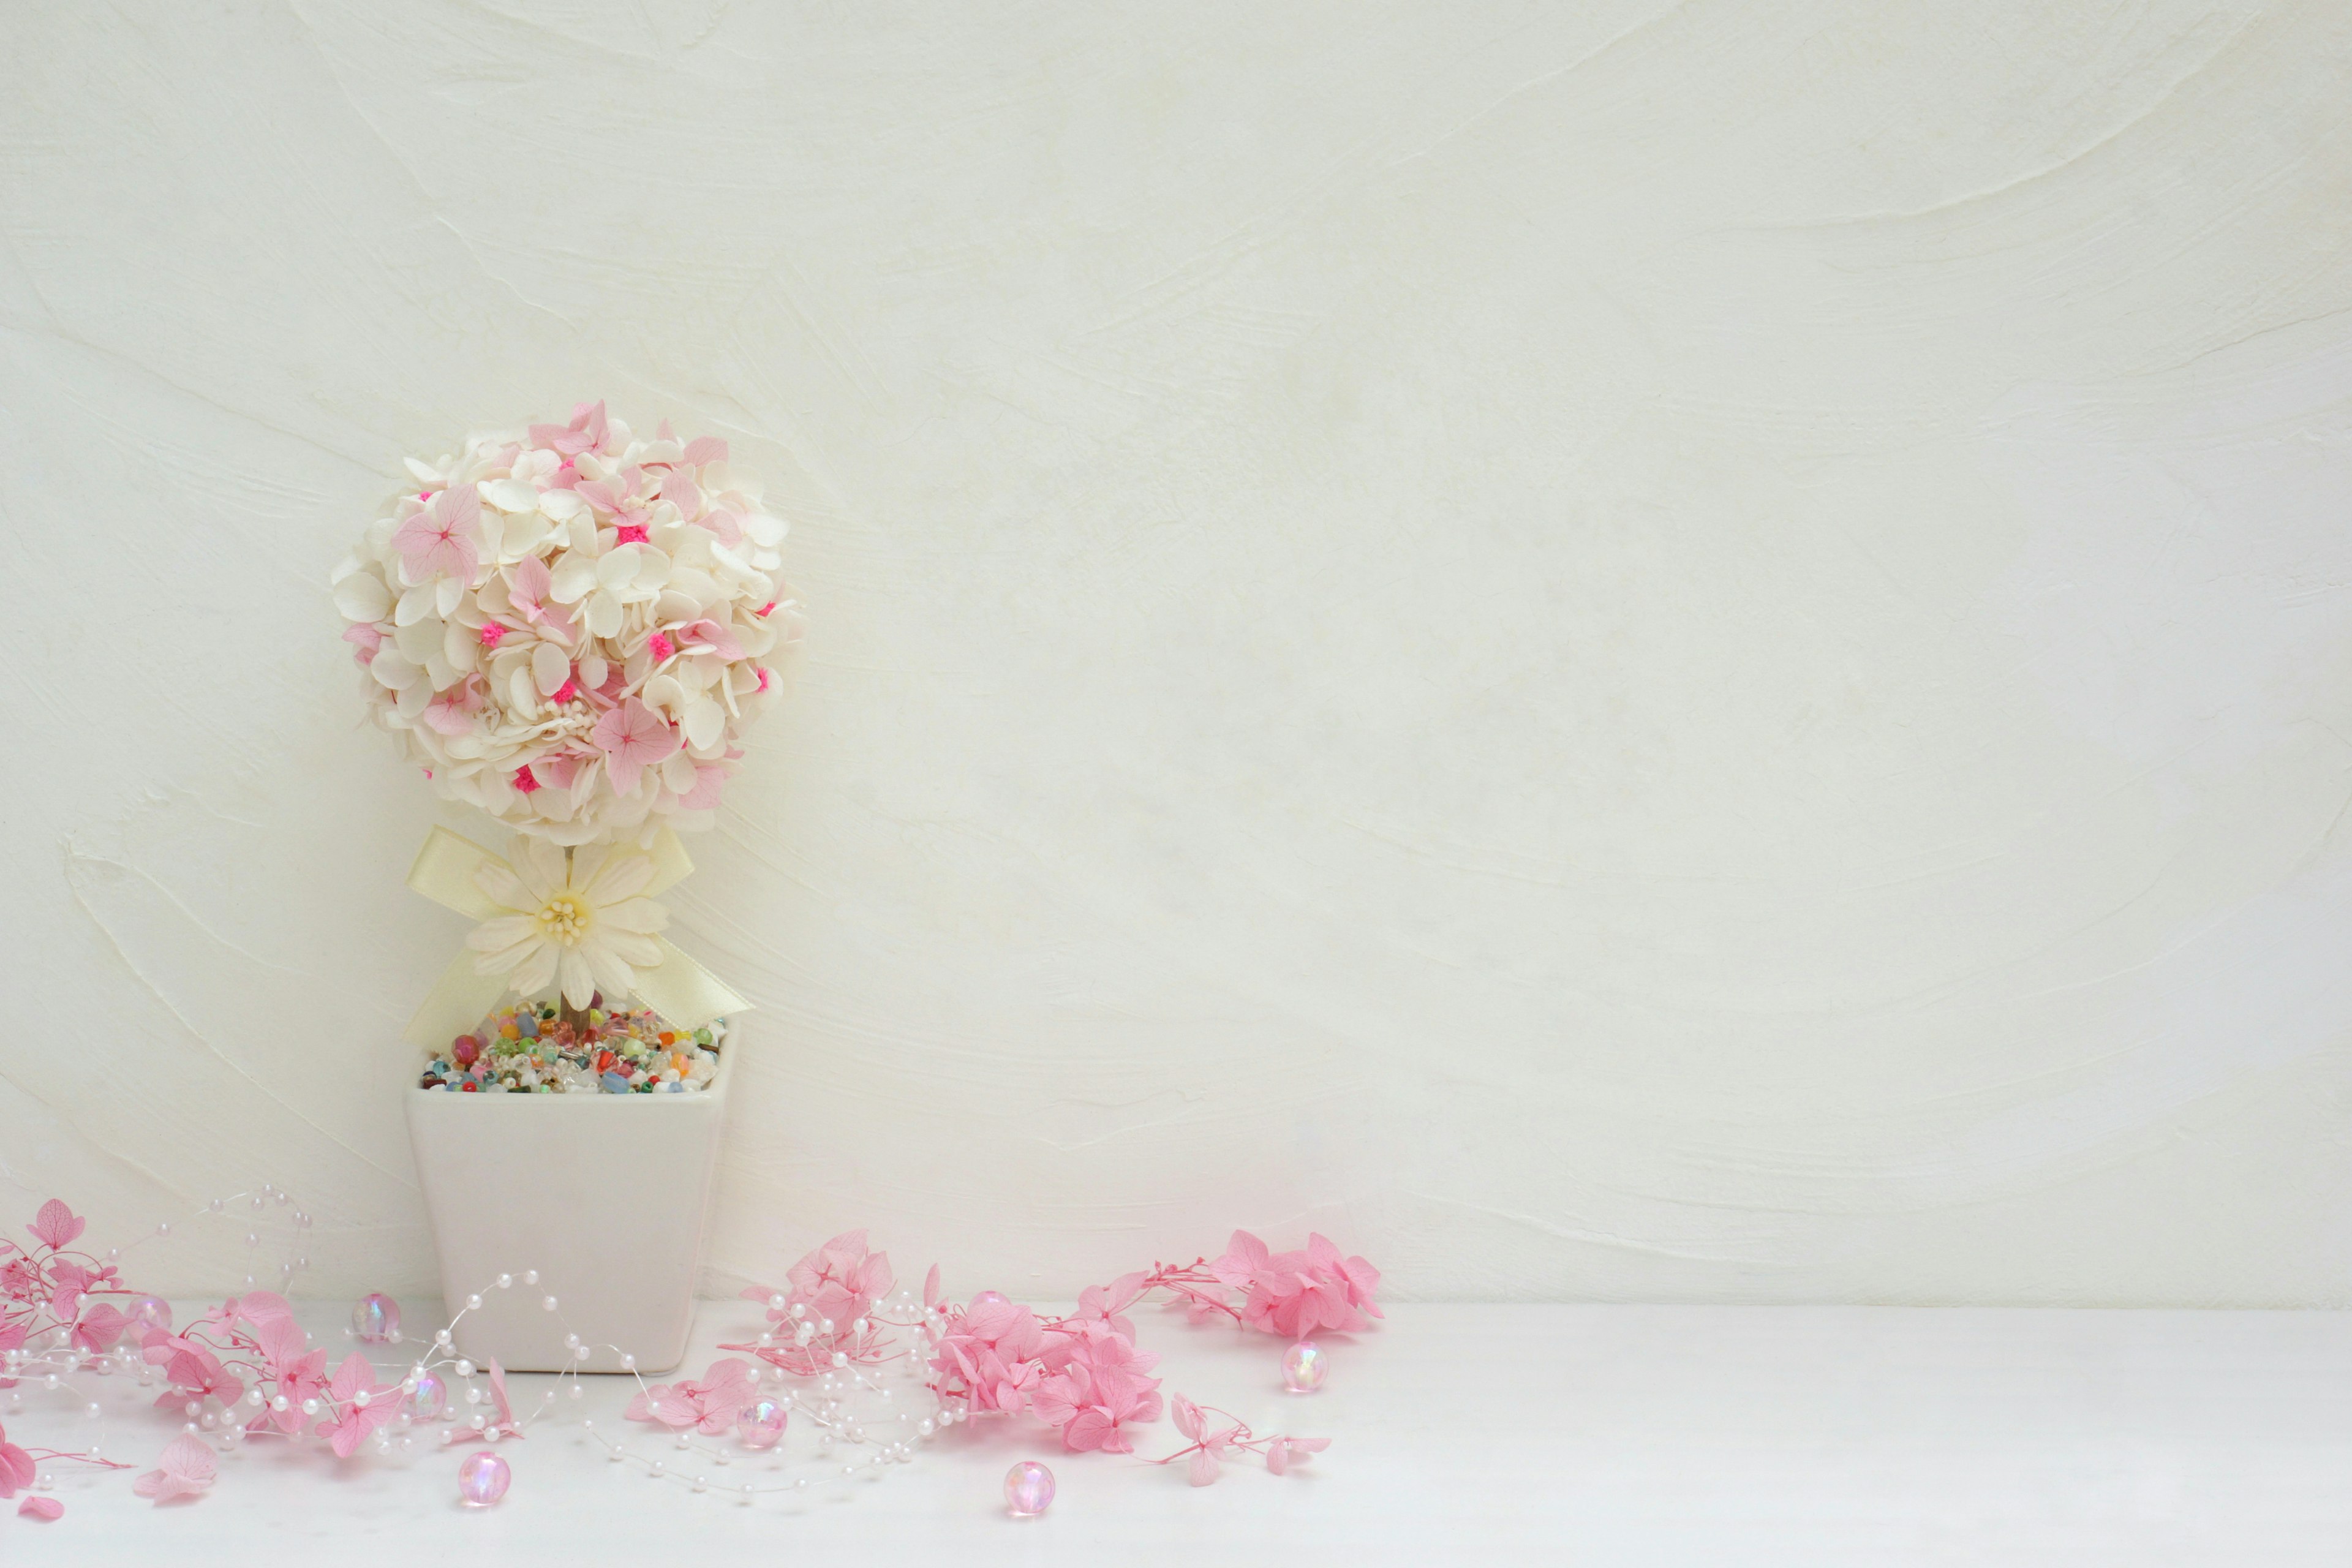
x=246, y=1361
x=1293, y=1294
x=20, y=1467
x=1214, y=1444
x=48, y=1288
x=709, y=1405
x=570, y=625
x=825, y=1318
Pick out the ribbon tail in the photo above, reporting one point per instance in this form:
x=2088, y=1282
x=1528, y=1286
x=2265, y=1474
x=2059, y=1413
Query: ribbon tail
x=460, y=999
x=671, y=866
x=683, y=992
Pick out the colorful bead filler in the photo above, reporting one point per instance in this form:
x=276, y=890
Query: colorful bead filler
x=529, y=1049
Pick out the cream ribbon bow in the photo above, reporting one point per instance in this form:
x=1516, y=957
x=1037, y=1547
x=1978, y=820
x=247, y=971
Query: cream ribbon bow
x=468, y=879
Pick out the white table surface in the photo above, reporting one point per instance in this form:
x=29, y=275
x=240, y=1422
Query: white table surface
x=1602, y=1435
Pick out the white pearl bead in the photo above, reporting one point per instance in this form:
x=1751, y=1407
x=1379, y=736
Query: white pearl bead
x=473, y=1303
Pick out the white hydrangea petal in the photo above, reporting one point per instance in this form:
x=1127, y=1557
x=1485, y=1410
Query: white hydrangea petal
x=664, y=693
x=416, y=602
x=618, y=569
x=510, y=495
x=562, y=505
x=492, y=525
x=548, y=668
x=418, y=639
x=362, y=596
x=524, y=532
x=603, y=615
x=573, y=579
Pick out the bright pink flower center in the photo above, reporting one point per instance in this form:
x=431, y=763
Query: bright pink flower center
x=763, y=677
x=629, y=534
x=766, y=607
x=524, y=779
x=662, y=647
x=567, y=691
x=491, y=632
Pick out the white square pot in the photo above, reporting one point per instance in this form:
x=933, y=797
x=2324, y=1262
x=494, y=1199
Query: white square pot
x=605, y=1195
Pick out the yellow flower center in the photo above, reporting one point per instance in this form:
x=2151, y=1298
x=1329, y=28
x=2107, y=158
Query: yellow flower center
x=563, y=921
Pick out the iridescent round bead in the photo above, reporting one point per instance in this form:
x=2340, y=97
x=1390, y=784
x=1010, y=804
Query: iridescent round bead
x=1028, y=1490
x=762, y=1424
x=482, y=1479
x=1303, y=1365
x=151, y=1313
x=375, y=1317
x=428, y=1399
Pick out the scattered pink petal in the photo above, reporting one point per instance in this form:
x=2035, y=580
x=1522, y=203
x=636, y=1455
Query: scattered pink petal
x=41, y=1508
x=187, y=1470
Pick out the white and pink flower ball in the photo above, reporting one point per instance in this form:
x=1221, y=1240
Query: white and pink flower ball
x=570, y=628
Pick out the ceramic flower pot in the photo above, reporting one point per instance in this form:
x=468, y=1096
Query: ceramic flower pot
x=607, y=1195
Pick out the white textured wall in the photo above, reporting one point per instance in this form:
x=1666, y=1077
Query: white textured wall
x=1687, y=651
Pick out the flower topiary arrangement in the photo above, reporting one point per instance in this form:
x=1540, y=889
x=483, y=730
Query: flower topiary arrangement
x=570, y=627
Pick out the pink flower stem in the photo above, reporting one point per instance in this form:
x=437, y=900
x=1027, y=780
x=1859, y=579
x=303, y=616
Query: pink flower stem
x=52, y=1455
x=1191, y=1282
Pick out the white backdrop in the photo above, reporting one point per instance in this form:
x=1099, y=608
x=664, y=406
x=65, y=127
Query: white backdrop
x=1627, y=650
